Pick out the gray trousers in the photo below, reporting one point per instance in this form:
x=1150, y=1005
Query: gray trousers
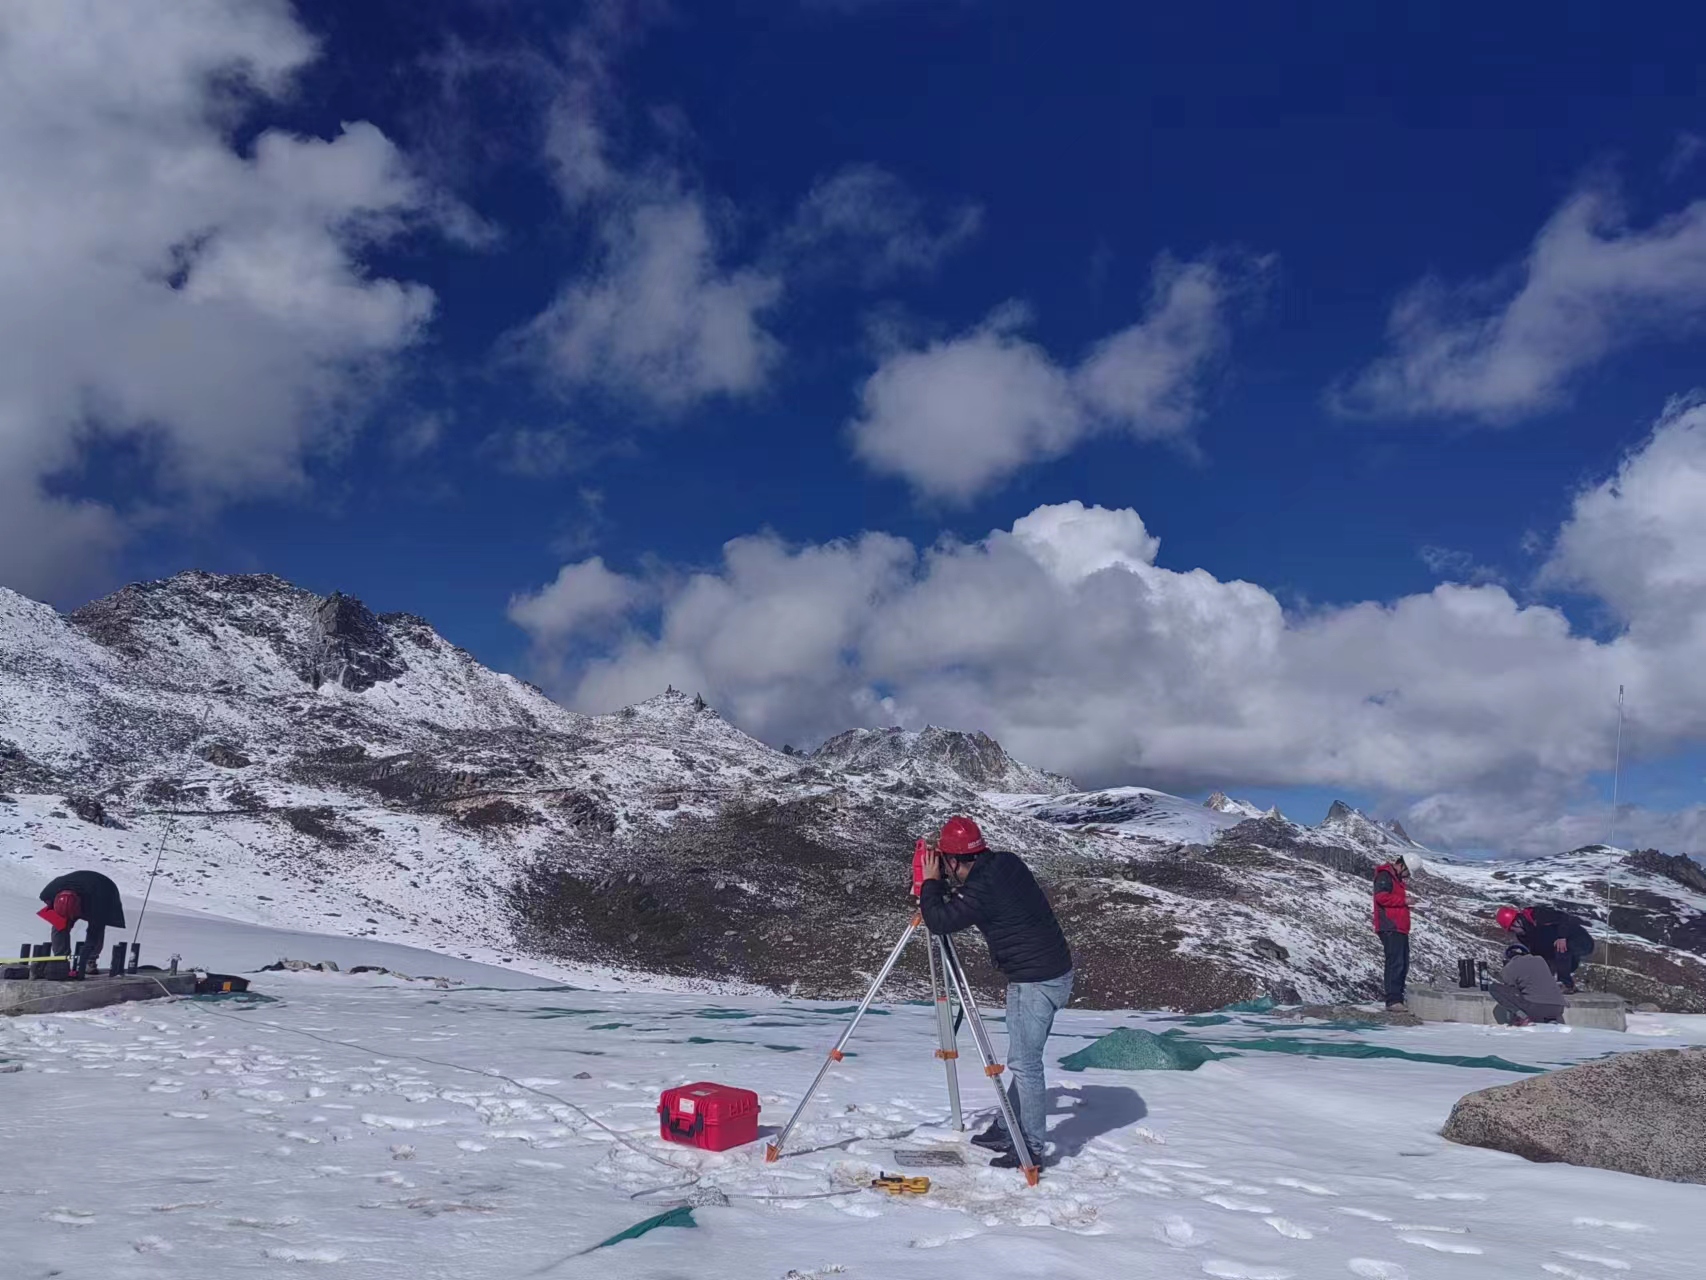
x=1031, y=1007
x=1508, y=1002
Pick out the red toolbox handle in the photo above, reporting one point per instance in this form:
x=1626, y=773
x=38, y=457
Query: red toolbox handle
x=692, y=1130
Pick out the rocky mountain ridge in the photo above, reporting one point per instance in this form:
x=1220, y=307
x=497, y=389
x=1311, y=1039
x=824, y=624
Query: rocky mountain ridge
x=306, y=762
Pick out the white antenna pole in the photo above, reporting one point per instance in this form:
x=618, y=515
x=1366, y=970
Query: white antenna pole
x=1616, y=779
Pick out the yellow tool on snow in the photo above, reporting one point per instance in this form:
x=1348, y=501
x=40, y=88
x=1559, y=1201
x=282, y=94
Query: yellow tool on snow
x=897, y=1185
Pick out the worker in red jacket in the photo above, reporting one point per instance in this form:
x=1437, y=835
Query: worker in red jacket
x=1392, y=923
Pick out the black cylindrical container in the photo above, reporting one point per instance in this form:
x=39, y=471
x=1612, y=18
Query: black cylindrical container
x=118, y=960
x=40, y=965
x=135, y=956
x=1465, y=972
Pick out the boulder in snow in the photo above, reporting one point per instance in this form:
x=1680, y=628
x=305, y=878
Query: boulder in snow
x=1640, y=1113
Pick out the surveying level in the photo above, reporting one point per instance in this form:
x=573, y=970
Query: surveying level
x=948, y=982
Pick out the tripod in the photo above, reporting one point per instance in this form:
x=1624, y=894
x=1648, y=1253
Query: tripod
x=947, y=982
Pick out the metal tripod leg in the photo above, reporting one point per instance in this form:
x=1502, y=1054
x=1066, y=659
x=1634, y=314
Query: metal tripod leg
x=774, y=1151
x=991, y=1068
x=949, y=1052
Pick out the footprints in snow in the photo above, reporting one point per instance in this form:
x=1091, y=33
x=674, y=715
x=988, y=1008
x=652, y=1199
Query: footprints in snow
x=1375, y=1269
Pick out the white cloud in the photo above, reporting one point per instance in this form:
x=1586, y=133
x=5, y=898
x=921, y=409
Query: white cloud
x=583, y=596
x=1511, y=346
x=661, y=319
x=864, y=219
x=1068, y=640
x=958, y=418
x=162, y=286
x=1638, y=540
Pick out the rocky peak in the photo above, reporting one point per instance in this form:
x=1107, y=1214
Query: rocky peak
x=348, y=646
x=1220, y=802
x=1672, y=866
x=974, y=757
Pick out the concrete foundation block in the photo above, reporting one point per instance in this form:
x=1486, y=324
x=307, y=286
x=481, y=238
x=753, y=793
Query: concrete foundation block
x=19, y=996
x=1455, y=1004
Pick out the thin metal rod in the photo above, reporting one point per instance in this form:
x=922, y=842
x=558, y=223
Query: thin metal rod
x=166, y=835
x=774, y=1151
x=949, y=1051
x=985, y=1051
x=1610, y=840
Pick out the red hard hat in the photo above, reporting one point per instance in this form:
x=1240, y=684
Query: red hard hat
x=68, y=905
x=1507, y=917
x=960, y=837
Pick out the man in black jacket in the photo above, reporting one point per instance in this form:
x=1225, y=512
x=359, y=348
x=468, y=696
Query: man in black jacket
x=1561, y=938
x=997, y=892
x=82, y=895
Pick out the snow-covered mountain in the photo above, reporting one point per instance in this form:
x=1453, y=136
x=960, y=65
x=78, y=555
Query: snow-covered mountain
x=1220, y=802
x=304, y=763
x=973, y=758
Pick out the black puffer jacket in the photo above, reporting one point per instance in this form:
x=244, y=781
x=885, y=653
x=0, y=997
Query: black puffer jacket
x=1549, y=924
x=1003, y=899
x=99, y=896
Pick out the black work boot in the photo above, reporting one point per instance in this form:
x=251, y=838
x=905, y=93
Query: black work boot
x=995, y=1138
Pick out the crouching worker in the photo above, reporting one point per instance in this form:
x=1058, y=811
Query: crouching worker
x=87, y=896
x=1560, y=938
x=966, y=883
x=1526, y=990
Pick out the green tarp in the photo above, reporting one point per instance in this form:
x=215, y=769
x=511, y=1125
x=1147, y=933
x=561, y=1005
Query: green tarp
x=1359, y=1049
x=681, y=1216
x=1261, y=1004
x=1128, y=1049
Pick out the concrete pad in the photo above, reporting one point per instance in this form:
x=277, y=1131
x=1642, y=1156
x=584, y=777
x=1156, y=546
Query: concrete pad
x=1455, y=1004
x=23, y=995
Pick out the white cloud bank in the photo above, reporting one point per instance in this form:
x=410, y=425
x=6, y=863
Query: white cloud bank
x=1065, y=638
x=958, y=418
x=1509, y=347
x=160, y=286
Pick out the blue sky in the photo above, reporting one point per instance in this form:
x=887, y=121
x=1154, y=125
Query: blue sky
x=905, y=208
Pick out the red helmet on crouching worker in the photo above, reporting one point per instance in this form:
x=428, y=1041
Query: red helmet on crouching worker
x=67, y=910
x=960, y=838
x=1506, y=917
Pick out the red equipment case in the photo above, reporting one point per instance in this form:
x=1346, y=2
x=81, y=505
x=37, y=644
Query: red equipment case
x=712, y=1117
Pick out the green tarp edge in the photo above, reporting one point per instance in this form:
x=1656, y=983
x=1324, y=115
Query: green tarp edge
x=1338, y=1049
x=680, y=1216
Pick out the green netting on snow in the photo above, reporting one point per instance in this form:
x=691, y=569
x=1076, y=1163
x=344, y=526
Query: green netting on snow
x=682, y=1216
x=1128, y=1049
x=1358, y=1049
x=1261, y=1004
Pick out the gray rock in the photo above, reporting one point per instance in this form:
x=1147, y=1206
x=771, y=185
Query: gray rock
x=349, y=646
x=224, y=755
x=1640, y=1113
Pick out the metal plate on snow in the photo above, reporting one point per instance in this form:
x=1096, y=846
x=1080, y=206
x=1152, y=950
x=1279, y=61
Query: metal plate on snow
x=928, y=1157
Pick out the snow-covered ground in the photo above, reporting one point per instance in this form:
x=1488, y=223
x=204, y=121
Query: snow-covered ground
x=1138, y=812
x=359, y=1126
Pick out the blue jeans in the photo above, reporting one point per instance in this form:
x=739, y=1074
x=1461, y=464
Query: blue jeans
x=1031, y=1007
